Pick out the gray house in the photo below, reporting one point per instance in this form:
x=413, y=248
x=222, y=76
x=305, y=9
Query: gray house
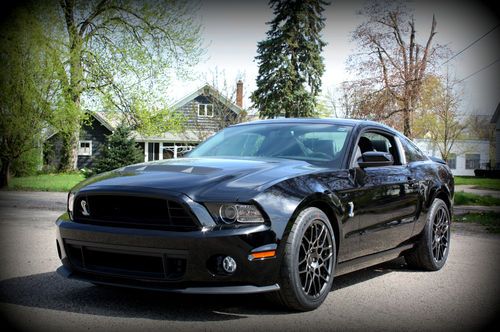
x=206, y=110
x=92, y=139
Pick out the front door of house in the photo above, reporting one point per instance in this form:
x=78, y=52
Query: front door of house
x=153, y=151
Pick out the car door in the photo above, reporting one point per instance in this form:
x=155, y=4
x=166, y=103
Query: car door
x=386, y=201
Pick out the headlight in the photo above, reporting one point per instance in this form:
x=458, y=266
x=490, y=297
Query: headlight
x=231, y=213
x=71, y=202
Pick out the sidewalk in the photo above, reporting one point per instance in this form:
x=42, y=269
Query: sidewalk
x=474, y=190
x=464, y=209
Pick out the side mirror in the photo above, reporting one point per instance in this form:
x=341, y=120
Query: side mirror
x=375, y=159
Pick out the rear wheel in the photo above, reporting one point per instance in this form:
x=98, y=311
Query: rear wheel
x=308, y=266
x=432, y=250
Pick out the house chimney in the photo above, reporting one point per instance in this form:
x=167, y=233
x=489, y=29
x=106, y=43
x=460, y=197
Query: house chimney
x=239, y=93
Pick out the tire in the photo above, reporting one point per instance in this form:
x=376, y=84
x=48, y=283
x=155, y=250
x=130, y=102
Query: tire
x=309, y=261
x=431, y=251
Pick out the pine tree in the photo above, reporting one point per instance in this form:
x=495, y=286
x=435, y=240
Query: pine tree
x=120, y=150
x=290, y=61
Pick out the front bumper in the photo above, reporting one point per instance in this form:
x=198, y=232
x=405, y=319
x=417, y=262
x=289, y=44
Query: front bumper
x=183, y=262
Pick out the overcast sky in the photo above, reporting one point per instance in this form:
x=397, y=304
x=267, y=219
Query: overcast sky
x=231, y=30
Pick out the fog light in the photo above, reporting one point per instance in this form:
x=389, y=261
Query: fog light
x=229, y=264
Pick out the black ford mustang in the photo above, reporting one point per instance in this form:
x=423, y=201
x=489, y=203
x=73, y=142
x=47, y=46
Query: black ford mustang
x=276, y=206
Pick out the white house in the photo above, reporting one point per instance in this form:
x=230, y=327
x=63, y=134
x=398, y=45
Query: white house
x=496, y=120
x=465, y=157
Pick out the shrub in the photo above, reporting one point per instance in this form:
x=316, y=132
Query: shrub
x=120, y=150
x=28, y=163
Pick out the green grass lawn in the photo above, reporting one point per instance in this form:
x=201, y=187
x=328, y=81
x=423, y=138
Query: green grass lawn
x=490, y=219
x=462, y=198
x=478, y=182
x=46, y=182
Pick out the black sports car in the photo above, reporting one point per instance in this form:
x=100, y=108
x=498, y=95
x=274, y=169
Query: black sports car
x=277, y=206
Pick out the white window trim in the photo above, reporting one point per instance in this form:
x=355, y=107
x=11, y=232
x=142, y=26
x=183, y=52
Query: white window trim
x=469, y=159
x=204, y=115
x=80, y=150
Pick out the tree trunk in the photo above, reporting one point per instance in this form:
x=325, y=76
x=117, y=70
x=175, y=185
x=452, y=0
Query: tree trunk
x=75, y=82
x=73, y=151
x=69, y=152
x=5, y=173
x=407, y=123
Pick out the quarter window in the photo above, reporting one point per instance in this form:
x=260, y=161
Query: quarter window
x=85, y=148
x=412, y=152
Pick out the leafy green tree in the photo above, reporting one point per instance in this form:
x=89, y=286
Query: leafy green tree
x=290, y=61
x=438, y=117
x=120, y=150
x=113, y=53
x=26, y=85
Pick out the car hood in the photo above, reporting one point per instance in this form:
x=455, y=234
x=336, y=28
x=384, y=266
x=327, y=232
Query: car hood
x=202, y=179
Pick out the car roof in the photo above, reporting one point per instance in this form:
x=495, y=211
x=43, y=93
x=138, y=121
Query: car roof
x=337, y=121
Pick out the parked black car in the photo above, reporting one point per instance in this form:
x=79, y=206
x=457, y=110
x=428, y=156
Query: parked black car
x=269, y=206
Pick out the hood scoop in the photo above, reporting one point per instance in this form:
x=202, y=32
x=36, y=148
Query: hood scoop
x=197, y=170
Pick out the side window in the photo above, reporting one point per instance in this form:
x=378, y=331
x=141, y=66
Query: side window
x=412, y=152
x=374, y=141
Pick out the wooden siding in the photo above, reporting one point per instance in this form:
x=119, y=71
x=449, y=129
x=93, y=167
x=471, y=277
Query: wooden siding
x=219, y=120
x=96, y=133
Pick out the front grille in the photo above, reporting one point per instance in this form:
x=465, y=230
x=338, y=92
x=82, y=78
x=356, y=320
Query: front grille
x=120, y=263
x=133, y=212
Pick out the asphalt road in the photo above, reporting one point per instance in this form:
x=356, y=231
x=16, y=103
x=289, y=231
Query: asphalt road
x=463, y=296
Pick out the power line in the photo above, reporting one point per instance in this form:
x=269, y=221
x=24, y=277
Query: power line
x=480, y=70
x=471, y=44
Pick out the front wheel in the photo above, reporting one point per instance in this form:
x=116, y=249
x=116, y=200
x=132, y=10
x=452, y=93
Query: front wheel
x=432, y=250
x=309, y=262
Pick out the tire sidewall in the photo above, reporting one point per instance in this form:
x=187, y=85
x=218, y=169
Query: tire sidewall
x=303, y=221
x=438, y=203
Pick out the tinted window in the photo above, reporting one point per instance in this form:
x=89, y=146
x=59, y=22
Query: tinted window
x=412, y=152
x=314, y=143
x=371, y=141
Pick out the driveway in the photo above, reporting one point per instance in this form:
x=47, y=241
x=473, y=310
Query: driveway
x=463, y=296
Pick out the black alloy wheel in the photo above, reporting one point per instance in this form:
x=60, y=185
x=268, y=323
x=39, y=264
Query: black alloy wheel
x=431, y=252
x=441, y=234
x=309, y=262
x=315, y=259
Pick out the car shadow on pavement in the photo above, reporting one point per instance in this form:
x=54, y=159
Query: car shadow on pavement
x=356, y=277
x=51, y=291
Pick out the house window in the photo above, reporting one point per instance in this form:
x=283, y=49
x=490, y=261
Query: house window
x=205, y=110
x=85, y=148
x=452, y=161
x=472, y=161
